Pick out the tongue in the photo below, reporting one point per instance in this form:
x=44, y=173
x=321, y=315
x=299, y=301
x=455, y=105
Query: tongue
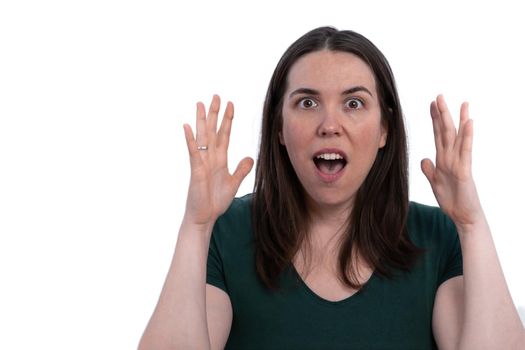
x=330, y=166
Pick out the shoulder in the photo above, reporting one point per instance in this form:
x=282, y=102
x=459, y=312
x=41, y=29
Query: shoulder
x=429, y=225
x=235, y=222
x=425, y=214
x=239, y=209
x=432, y=230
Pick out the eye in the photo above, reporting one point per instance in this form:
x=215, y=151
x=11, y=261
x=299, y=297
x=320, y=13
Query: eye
x=307, y=103
x=354, y=103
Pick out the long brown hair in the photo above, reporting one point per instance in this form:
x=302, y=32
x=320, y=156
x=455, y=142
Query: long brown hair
x=378, y=218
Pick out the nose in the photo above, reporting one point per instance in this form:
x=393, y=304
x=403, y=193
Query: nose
x=330, y=124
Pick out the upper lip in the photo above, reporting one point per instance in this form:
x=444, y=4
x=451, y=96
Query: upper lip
x=330, y=150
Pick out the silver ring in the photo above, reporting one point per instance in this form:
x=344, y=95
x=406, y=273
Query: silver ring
x=202, y=148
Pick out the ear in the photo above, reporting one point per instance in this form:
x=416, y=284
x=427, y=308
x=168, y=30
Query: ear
x=384, y=133
x=281, y=139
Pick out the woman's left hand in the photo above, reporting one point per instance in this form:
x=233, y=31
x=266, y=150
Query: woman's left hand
x=451, y=176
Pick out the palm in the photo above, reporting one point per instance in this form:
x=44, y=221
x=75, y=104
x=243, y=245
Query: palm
x=212, y=187
x=451, y=176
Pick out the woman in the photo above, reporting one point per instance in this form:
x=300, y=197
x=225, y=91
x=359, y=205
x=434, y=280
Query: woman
x=328, y=253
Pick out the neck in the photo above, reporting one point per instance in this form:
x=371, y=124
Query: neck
x=328, y=216
x=325, y=229
x=326, y=225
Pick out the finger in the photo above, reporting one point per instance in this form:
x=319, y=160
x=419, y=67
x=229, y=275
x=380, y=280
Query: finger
x=243, y=169
x=223, y=136
x=464, y=112
x=428, y=169
x=447, y=124
x=436, y=125
x=195, y=159
x=463, y=118
x=211, y=121
x=202, y=136
x=465, y=152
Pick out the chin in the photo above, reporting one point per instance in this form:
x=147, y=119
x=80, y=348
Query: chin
x=334, y=200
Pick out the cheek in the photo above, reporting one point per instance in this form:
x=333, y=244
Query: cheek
x=289, y=137
x=295, y=143
x=289, y=141
x=367, y=141
x=374, y=133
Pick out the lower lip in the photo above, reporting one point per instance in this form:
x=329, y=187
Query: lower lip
x=329, y=178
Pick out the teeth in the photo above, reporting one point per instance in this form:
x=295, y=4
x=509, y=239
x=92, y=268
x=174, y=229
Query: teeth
x=329, y=156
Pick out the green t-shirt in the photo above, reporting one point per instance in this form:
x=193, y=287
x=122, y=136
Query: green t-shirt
x=384, y=314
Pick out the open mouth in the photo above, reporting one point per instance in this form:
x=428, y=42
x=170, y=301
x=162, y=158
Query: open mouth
x=329, y=163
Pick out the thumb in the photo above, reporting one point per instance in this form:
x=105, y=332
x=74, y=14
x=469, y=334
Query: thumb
x=243, y=168
x=427, y=167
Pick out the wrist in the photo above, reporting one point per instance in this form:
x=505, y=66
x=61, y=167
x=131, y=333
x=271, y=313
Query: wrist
x=480, y=224
x=195, y=227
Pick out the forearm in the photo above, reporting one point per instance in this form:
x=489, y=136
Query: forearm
x=179, y=320
x=490, y=320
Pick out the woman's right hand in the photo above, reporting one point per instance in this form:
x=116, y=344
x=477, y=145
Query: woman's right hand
x=212, y=188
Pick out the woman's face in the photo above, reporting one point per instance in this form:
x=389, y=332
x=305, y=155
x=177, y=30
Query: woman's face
x=332, y=126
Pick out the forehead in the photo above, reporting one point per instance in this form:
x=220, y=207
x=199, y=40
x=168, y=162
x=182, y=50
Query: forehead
x=330, y=70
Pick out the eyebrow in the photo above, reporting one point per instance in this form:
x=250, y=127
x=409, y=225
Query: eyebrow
x=309, y=91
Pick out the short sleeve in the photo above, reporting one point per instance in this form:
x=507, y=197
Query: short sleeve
x=451, y=262
x=214, y=268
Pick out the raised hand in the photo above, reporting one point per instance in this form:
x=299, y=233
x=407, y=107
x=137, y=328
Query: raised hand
x=212, y=187
x=451, y=176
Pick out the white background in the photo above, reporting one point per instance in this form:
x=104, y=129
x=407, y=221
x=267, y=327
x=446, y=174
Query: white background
x=93, y=164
